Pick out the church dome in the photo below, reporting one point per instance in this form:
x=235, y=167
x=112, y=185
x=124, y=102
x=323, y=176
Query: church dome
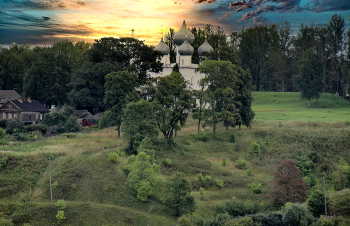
x=182, y=34
x=205, y=47
x=162, y=47
x=186, y=49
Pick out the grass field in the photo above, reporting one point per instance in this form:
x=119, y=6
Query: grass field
x=96, y=189
x=290, y=107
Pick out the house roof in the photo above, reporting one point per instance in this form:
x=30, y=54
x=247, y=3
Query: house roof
x=9, y=95
x=32, y=106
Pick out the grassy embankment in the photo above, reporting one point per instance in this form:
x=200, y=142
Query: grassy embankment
x=96, y=191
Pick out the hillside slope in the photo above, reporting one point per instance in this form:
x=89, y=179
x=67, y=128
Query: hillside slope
x=96, y=191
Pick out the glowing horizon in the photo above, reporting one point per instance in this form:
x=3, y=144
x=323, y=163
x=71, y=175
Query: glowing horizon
x=46, y=21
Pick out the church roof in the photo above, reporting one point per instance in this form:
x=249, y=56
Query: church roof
x=182, y=34
x=205, y=47
x=186, y=49
x=162, y=47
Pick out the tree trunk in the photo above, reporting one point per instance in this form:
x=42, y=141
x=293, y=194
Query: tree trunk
x=118, y=128
x=214, y=128
x=199, y=125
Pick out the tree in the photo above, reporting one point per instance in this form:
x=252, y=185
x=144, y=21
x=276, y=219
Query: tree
x=179, y=198
x=315, y=202
x=228, y=93
x=118, y=85
x=143, y=176
x=87, y=86
x=171, y=101
x=289, y=186
x=297, y=214
x=138, y=122
x=130, y=53
x=310, y=76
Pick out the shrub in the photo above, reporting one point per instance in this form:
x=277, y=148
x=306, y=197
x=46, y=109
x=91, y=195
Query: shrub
x=271, y=219
x=219, y=184
x=184, y=221
x=255, y=187
x=72, y=125
x=61, y=204
x=256, y=149
x=14, y=126
x=240, y=163
x=242, y=221
x=232, y=138
x=55, y=118
x=113, y=157
x=6, y=222
x=2, y=133
x=167, y=162
x=297, y=214
x=36, y=127
x=339, y=202
x=60, y=216
x=315, y=202
x=3, y=162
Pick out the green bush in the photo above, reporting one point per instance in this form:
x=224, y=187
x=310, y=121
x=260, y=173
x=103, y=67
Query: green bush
x=3, y=162
x=55, y=118
x=219, y=184
x=167, y=162
x=14, y=126
x=271, y=219
x=36, y=127
x=240, y=163
x=297, y=214
x=61, y=204
x=2, y=133
x=72, y=124
x=6, y=222
x=339, y=202
x=255, y=187
x=236, y=208
x=113, y=157
x=256, y=149
x=60, y=216
x=232, y=138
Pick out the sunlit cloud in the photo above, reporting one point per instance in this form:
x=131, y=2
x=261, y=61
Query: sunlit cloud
x=45, y=21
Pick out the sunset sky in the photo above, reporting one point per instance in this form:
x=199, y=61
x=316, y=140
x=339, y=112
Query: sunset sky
x=47, y=21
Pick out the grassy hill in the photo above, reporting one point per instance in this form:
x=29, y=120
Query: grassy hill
x=289, y=106
x=96, y=190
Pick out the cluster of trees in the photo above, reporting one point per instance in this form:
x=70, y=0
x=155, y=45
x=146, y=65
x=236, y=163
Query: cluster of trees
x=316, y=58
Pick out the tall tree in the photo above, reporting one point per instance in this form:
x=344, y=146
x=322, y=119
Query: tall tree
x=288, y=186
x=310, y=75
x=118, y=85
x=179, y=198
x=138, y=122
x=143, y=177
x=228, y=91
x=171, y=101
x=130, y=53
x=87, y=90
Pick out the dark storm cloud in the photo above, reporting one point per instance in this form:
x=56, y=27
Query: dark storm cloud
x=32, y=4
x=281, y=6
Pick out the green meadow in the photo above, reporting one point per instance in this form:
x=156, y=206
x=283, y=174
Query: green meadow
x=289, y=107
x=96, y=190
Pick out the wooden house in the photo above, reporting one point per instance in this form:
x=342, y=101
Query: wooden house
x=6, y=95
x=29, y=111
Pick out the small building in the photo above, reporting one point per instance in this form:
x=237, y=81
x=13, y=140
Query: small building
x=6, y=95
x=29, y=111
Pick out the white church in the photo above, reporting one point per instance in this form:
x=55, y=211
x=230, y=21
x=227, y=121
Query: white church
x=184, y=51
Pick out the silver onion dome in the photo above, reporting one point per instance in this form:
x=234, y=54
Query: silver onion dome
x=205, y=47
x=186, y=49
x=182, y=34
x=162, y=47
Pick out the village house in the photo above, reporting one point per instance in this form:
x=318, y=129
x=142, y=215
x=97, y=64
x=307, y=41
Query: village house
x=6, y=95
x=29, y=111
